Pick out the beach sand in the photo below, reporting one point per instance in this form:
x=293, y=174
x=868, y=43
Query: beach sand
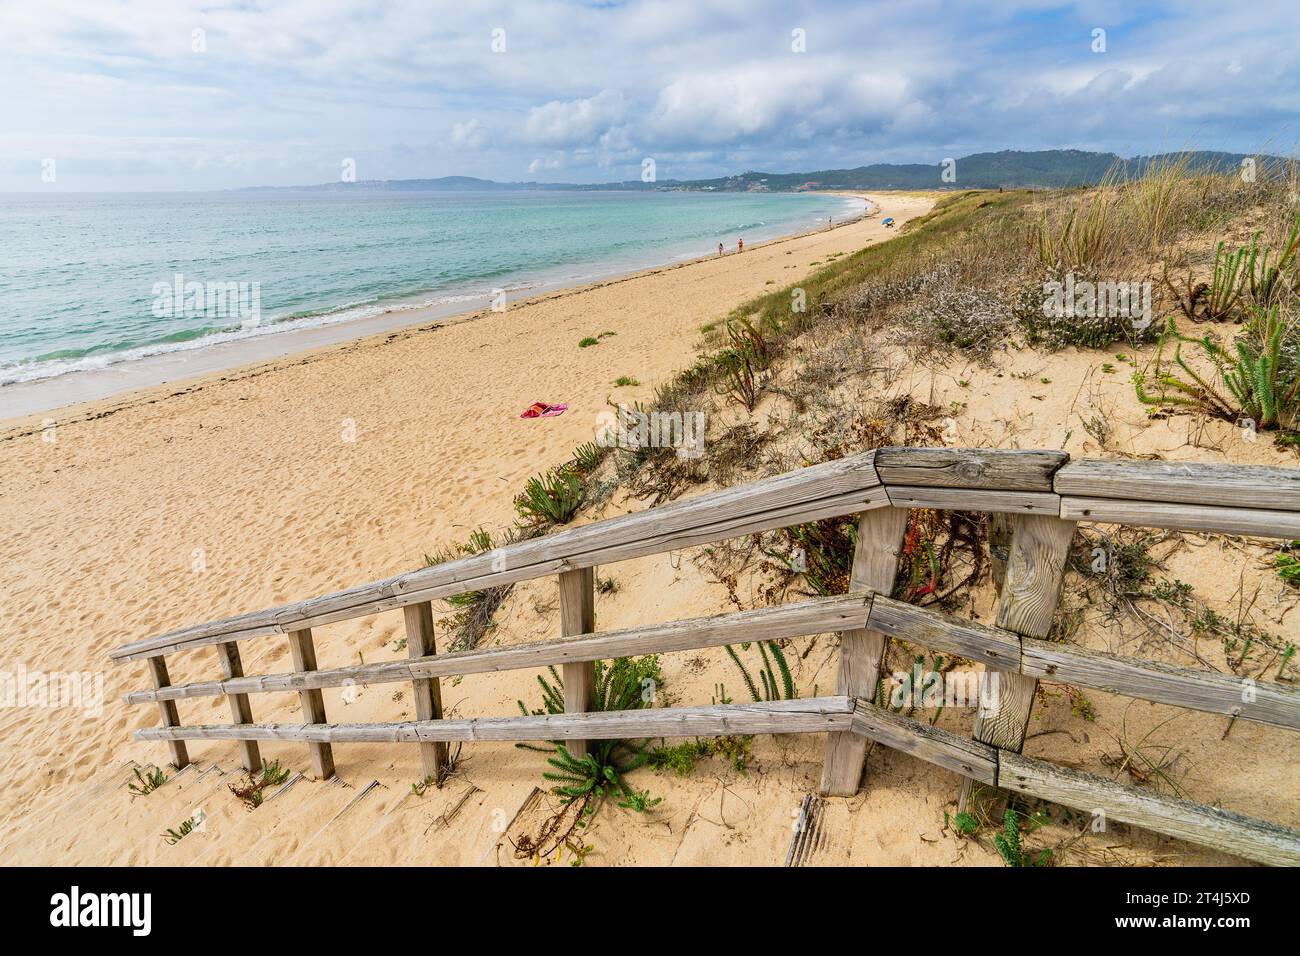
x=272, y=483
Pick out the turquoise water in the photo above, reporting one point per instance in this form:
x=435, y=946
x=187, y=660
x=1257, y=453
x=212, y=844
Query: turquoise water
x=88, y=281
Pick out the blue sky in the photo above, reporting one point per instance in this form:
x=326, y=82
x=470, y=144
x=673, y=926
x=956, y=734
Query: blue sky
x=168, y=94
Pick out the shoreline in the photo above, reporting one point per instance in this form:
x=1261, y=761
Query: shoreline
x=123, y=380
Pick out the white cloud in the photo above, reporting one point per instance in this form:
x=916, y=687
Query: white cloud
x=574, y=122
x=774, y=101
x=468, y=135
x=283, y=91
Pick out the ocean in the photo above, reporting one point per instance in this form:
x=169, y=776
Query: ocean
x=88, y=282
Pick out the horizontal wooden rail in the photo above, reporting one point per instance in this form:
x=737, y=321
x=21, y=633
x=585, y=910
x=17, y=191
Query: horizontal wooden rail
x=1193, y=483
x=987, y=469
x=818, y=616
x=975, y=499
x=1218, y=829
x=1184, y=496
x=1260, y=522
x=961, y=755
x=811, y=715
x=840, y=487
x=998, y=649
x=1189, y=496
x=1003, y=650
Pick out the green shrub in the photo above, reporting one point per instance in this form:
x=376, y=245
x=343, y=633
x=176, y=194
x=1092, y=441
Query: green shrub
x=1268, y=282
x=681, y=758
x=472, y=611
x=628, y=683
x=552, y=497
x=739, y=378
x=1242, y=278
x=1082, y=331
x=1218, y=299
x=588, y=456
x=186, y=827
x=146, y=783
x=824, y=550
x=773, y=664
x=744, y=337
x=1010, y=848
x=253, y=791
x=1257, y=383
x=639, y=801
x=1288, y=564
x=598, y=774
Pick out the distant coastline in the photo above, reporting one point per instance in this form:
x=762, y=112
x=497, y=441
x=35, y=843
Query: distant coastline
x=1010, y=168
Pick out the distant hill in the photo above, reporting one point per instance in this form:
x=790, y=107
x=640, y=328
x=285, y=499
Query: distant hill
x=441, y=184
x=1009, y=168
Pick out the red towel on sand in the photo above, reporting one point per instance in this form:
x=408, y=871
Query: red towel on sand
x=544, y=410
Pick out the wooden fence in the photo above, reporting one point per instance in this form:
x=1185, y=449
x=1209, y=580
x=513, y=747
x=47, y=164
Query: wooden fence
x=1038, y=497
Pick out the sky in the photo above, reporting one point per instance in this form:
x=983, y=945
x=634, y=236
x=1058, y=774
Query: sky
x=177, y=95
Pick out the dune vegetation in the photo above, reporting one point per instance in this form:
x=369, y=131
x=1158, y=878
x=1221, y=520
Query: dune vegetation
x=1154, y=317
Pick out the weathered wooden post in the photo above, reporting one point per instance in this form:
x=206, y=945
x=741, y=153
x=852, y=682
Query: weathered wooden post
x=167, y=709
x=1035, y=570
x=578, y=616
x=999, y=547
x=428, y=690
x=875, y=563
x=241, y=712
x=313, y=704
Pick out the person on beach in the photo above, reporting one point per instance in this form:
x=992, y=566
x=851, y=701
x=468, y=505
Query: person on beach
x=720, y=250
x=740, y=245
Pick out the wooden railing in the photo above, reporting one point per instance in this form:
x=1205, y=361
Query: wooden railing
x=1041, y=493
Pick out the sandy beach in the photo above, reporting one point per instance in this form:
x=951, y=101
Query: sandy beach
x=304, y=475
x=240, y=490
